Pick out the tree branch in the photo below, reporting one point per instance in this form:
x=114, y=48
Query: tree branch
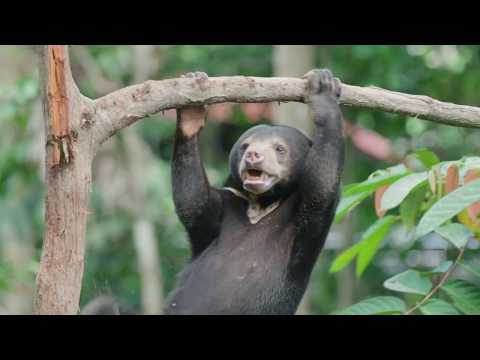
x=420, y=106
x=439, y=284
x=125, y=106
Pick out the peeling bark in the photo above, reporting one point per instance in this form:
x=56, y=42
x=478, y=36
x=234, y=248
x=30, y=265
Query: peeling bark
x=59, y=127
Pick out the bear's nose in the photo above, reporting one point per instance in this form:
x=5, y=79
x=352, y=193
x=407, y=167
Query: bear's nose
x=253, y=157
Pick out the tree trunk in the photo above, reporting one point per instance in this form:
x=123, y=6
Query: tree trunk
x=294, y=61
x=68, y=181
x=137, y=157
x=149, y=267
x=148, y=257
x=146, y=62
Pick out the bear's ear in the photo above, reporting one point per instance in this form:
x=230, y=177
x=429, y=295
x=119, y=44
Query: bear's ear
x=233, y=160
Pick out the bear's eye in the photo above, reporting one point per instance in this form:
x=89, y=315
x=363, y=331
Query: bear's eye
x=280, y=149
x=244, y=146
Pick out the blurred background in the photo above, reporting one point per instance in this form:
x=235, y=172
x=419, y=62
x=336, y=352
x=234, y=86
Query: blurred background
x=135, y=243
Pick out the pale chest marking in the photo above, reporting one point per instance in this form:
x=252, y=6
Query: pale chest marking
x=255, y=212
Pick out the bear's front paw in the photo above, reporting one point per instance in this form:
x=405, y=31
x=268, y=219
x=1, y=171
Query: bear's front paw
x=322, y=82
x=191, y=119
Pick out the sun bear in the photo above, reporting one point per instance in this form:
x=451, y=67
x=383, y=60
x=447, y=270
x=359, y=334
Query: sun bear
x=255, y=241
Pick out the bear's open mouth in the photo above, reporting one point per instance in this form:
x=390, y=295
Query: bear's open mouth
x=254, y=174
x=257, y=181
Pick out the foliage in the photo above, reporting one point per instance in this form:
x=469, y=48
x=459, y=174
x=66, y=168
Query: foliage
x=21, y=189
x=435, y=195
x=381, y=305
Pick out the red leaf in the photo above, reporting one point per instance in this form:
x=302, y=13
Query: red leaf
x=451, y=180
x=378, y=201
x=471, y=175
x=474, y=209
x=474, y=212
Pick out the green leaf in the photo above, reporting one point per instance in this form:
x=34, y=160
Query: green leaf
x=354, y=194
x=465, y=296
x=438, y=307
x=345, y=258
x=375, y=306
x=399, y=190
x=371, y=240
x=373, y=183
x=347, y=189
x=410, y=207
x=457, y=234
x=4, y=284
x=5, y=276
x=448, y=206
x=473, y=270
x=409, y=281
x=442, y=268
x=427, y=157
x=347, y=204
x=469, y=163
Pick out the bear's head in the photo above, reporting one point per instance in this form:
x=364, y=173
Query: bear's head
x=266, y=160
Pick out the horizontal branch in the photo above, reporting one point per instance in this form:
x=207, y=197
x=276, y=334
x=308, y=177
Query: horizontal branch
x=422, y=107
x=125, y=106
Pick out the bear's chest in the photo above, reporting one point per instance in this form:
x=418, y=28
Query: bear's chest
x=244, y=270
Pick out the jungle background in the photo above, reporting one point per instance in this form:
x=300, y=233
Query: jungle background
x=135, y=243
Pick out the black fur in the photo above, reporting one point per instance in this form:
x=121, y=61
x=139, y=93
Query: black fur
x=263, y=268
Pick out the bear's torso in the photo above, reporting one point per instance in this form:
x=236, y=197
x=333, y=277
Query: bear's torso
x=244, y=270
